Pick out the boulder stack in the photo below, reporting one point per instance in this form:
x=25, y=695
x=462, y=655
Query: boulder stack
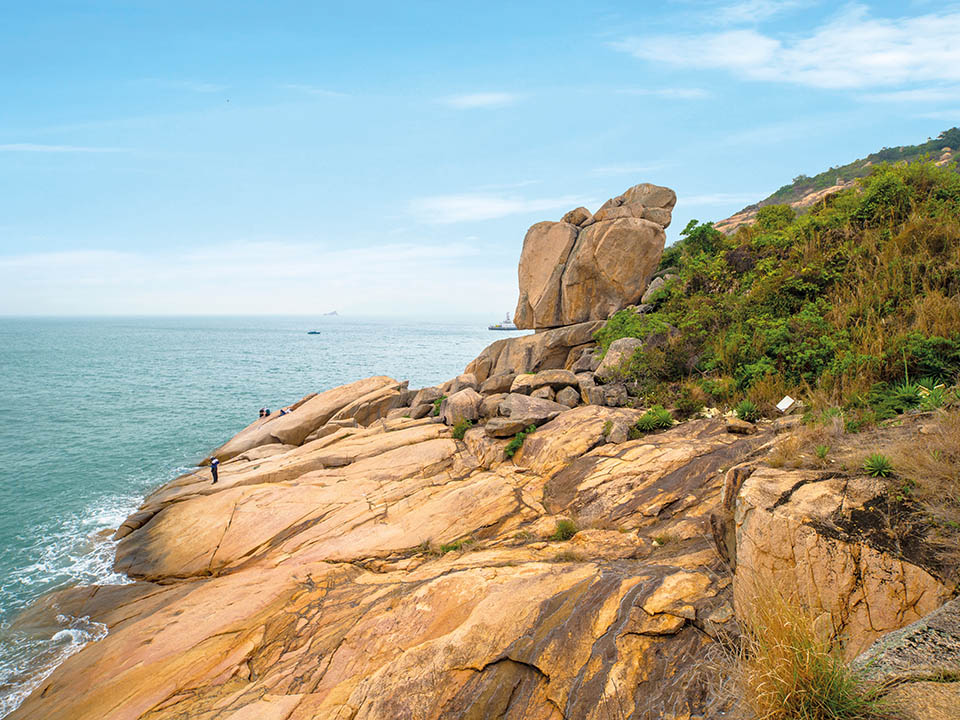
x=586, y=267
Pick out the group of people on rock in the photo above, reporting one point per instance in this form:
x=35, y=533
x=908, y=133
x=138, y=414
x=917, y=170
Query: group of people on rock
x=265, y=412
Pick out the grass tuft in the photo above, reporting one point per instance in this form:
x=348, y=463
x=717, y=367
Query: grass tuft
x=566, y=529
x=460, y=429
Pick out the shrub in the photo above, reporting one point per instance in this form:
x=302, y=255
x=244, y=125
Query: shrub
x=691, y=400
x=790, y=670
x=878, y=465
x=517, y=442
x=461, y=544
x=746, y=410
x=460, y=429
x=436, y=405
x=822, y=451
x=656, y=418
x=566, y=529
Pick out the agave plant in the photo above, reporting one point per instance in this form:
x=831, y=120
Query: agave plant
x=878, y=465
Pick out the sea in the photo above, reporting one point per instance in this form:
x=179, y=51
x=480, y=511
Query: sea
x=97, y=412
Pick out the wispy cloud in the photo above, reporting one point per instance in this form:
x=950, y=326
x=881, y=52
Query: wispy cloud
x=853, y=50
x=471, y=101
x=465, y=207
x=35, y=148
x=217, y=279
x=313, y=90
x=755, y=11
x=670, y=93
x=917, y=95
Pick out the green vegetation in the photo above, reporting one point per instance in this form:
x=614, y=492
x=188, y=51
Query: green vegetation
x=841, y=307
x=457, y=545
x=656, y=418
x=803, y=185
x=460, y=429
x=436, y=405
x=566, y=529
x=878, y=465
x=747, y=410
x=517, y=442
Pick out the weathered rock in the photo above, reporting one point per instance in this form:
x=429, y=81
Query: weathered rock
x=530, y=353
x=568, y=396
x=490, y=406
x=372, y=406
x=503, y=427
x=555, y=379
x=618, y=354
x=653, y=288
x=588, y=361
x=529, y=410
x=461, y=382
x=544, y=393
x=578, y=216
x=426, y=395
x=421, y=411
x=609, y=267
x=573, y=272
x=546, y=249
x=810, y=532
x=497, y=384
x=462, y=405
x=611, y=395
x=294, y=427
x=740, y=427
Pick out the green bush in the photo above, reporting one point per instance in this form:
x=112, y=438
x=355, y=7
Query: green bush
x=436, y=405
x=460, y=429
x=656, y=418
x=747, y=410
x=517, y=441
x=878, y=465
x=566, y=529
x=861, y=290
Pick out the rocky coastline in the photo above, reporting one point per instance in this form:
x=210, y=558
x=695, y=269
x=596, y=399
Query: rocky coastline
x=501, y=545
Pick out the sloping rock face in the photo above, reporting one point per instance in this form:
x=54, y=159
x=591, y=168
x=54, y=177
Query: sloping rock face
x=310, y=583
x=584, y=267
x=812, y=533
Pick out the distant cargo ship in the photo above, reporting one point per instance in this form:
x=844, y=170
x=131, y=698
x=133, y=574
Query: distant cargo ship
x=507, y=324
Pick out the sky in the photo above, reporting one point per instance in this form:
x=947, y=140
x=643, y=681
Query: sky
x=160, y=157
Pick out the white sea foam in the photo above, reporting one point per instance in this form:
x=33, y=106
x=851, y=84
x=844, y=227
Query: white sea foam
x=79, y=551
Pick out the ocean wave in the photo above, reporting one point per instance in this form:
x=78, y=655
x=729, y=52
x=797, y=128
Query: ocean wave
x=28, y=658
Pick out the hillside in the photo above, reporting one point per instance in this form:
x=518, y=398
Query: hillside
x=804, y=191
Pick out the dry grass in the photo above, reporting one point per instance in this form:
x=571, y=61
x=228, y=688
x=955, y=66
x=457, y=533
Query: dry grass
x=799, y=449
x=791, y=669
x=928, y=472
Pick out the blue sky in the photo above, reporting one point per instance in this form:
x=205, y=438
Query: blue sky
x=165, y=157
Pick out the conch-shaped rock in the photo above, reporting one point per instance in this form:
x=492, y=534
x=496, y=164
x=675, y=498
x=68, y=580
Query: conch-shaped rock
x=585, y=268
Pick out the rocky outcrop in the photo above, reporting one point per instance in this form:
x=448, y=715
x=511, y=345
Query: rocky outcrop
x=546, y=350
x=311, y=582
x=586, y=267
x=819, y=534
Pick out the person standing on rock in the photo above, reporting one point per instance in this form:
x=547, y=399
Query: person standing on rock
x=214, y=467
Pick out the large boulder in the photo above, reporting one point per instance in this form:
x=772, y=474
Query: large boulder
x=587, y=267
x=529, y=410
x=550, y=349
x=820, y=536
x=554, y=379
x=618, y=354
x=462, y=405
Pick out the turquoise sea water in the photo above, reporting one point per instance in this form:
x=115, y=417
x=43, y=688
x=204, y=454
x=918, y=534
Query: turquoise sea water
x=97, y=412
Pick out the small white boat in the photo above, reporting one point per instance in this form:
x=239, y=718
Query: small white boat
x=507, y=324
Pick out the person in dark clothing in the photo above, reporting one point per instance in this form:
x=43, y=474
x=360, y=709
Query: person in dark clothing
x=214, y=466
x=266, y=412
x=261, y=412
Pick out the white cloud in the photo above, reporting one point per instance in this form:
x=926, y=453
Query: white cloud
x=32, y=147
x=670, y=93
x=755, y=11
x=471, y=101
x=853, y=50
x=257, y=278
x=918, y=95
x=465, y=207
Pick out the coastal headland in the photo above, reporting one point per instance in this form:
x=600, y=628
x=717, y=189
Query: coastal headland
x=517, y=542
